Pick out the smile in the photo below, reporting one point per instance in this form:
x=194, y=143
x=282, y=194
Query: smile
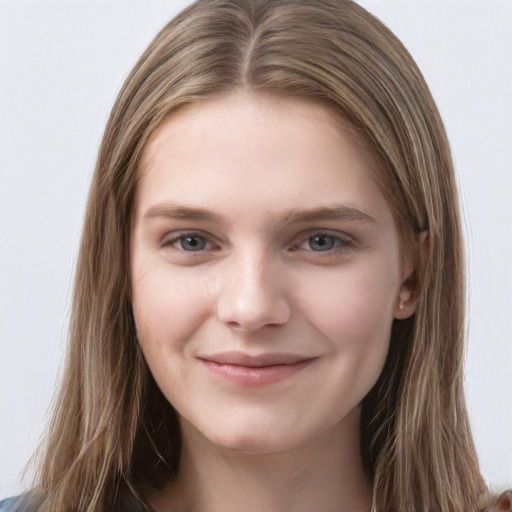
x=255, y=371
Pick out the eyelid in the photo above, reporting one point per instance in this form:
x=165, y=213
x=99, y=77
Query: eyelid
x=171, y=239
x=346, y=240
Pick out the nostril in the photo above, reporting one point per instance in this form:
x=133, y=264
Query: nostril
x=252, y=313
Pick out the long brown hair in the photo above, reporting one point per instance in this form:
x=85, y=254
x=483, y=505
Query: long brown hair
x=111, y=425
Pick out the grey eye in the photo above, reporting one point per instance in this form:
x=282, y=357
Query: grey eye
x=192, y=243
x=323, y=242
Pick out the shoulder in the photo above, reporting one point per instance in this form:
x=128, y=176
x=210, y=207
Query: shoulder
x=19, y=504
x=503, y=503
x=11, y=504
x=127, y=502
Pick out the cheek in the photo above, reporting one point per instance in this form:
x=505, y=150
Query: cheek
x=353, y=303
x=353, y=309
x=354, y=313
x=167, y=311
x=168, y=306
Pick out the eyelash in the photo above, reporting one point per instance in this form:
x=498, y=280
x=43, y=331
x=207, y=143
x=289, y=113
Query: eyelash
x=181, y=237
x=340, y=243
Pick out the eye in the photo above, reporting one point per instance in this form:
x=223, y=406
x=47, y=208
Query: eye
x=323, y=242
x=189, y=242
x=192, y=243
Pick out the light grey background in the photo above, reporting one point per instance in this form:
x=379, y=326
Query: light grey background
x=61, y=64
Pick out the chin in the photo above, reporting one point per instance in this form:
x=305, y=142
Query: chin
x=252, y=444
x=257, y=438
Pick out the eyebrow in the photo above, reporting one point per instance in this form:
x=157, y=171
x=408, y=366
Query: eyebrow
x=175, y=211
x=294, y=216
x=336, y=212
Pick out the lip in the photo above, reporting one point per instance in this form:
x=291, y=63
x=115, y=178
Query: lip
x=255, y=370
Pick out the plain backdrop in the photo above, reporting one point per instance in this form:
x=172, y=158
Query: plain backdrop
x=61, y=65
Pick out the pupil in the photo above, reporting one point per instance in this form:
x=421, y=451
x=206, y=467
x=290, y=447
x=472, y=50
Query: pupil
x=193, y=243
x=321, y=243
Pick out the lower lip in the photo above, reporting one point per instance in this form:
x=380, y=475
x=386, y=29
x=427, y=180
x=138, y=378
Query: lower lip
x=256, y=376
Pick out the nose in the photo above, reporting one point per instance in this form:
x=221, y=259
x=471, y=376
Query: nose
x=253, y=294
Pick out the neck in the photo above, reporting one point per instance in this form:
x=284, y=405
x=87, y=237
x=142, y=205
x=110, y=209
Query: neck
x=324, y=475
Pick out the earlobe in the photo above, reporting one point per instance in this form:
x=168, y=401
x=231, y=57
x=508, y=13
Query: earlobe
x=406, y=302
x=414, y=269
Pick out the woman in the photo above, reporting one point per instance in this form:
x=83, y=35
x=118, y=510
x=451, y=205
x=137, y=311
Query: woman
x=268, y=308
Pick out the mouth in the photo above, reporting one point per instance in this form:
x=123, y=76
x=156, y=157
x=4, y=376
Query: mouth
x=255, y=370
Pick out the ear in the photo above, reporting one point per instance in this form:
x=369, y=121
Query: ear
x=414, y=265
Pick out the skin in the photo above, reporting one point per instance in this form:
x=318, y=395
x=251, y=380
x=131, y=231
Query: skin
x=259, y=229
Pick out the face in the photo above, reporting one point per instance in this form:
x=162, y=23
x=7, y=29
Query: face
x=266, y=270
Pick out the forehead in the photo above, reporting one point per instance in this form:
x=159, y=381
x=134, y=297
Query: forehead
x=263, y=152
x=230, y=113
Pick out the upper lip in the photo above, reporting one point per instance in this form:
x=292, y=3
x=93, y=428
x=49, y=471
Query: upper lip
x=256, y=361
